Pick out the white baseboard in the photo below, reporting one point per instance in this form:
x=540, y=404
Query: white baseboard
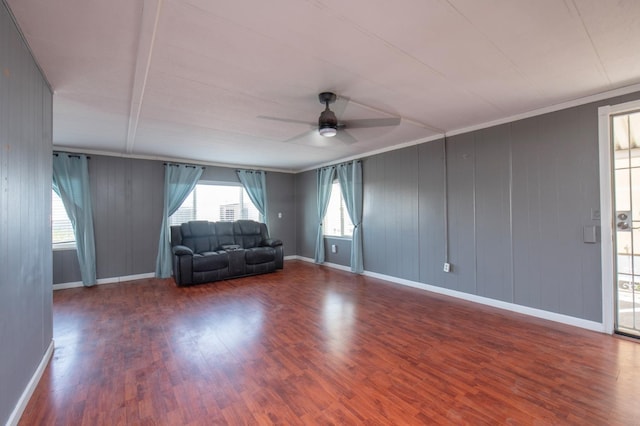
x=14, y=418
x=329, y=264
x=538, y=313
x=112, y=280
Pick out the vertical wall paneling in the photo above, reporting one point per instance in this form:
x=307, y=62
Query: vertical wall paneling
x=343, y=251
x=111, y=224
x=145, y=193
x=281, y=192
x=306, y=213
x=25, y=224
x=66, y=268
x=462, y=206
x=527, y=169
x=373, y=227
x=590, y=262
x=390, y=220
x=493, y=215
x=431, y=212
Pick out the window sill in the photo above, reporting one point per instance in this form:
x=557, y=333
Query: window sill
x=64, y=246
x=337, y=237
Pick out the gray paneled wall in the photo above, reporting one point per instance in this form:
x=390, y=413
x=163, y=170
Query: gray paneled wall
x=342, y=256
x=492, y=196
x=25, y=204
x=519, y=196
x=127, y=199
x=306, y=213
x=431, y=211
x=390, y=219
x=461, y=162
x=282, y=210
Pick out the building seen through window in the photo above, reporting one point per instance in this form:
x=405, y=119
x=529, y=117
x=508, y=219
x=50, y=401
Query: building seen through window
x=216, y=202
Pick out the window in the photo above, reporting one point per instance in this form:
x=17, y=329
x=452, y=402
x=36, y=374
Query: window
x=337, y=222
x=216, y=202
x=62, y=234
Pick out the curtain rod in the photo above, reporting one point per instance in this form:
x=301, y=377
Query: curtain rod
x=186, y=165
x=340, y=164
x=250, y=170
x=70, y=155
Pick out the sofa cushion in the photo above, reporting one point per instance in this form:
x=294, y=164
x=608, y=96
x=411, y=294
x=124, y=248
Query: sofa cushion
x=209, y=261
x=198, y=228
x=224, y=232
x=257, y=255
x=248, y=233
x=199, y=236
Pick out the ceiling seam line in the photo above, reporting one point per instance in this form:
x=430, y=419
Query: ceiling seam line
x=593, y=45
x=502, y=53
x=417, y=61
x=141, y=77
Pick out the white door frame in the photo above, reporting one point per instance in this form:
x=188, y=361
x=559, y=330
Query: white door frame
x=606, y=209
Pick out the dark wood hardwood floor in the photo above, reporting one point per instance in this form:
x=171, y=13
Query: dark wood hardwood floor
x=312, y=345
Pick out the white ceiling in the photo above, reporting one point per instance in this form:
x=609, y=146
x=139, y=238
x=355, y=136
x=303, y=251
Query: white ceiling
x=188, y=79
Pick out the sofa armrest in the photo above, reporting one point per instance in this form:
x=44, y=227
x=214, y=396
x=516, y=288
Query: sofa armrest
x=271, y=243
x=182, y=265
x=182, y=250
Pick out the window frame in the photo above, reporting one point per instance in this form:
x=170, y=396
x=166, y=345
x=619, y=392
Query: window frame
x=345, y=219
x=65, y=245
x=244, y=201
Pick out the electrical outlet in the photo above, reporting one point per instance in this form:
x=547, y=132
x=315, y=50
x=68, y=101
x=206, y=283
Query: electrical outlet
x=447, y=267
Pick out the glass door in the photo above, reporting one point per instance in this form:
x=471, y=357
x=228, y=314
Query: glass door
x=626, y=183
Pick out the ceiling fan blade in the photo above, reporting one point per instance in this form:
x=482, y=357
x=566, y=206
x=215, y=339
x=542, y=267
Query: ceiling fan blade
x=370, y=122
x=286, y=120
x=339, y=106
x=345, y=137
x=310, y=138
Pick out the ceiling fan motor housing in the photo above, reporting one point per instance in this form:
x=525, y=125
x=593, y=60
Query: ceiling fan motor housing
x=328, y=122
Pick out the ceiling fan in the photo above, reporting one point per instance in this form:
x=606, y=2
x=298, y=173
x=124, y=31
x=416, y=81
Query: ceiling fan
x=328, y=124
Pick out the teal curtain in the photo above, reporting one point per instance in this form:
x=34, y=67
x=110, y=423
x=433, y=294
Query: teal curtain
x=255, y=183
x=323, y=184
x=350, y=178
x=179, y=181
x=71, y=183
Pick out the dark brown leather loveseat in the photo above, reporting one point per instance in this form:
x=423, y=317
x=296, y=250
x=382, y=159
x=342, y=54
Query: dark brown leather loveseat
x=211, y=251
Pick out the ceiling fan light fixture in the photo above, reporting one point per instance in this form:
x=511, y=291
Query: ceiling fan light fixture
x=328, y=132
